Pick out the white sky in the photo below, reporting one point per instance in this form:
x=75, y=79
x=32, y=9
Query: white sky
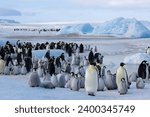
x=73, y=10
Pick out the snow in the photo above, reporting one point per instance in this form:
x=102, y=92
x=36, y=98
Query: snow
x=41, y=53
x=137, y=58
x=114, y=51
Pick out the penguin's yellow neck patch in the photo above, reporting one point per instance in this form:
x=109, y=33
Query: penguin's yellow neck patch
x=91, y=68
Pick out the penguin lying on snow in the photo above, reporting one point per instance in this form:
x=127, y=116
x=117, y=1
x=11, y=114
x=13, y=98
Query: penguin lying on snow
x=47, y=85
x=34, y=80
x=140, y=83
x=122, y=87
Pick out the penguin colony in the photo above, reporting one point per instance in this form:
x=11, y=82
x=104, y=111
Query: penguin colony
x=70, y=69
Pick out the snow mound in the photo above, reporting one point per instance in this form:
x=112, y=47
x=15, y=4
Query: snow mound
x=123, y=27
x=77, y=29
x=41, y=53
x=137, y=58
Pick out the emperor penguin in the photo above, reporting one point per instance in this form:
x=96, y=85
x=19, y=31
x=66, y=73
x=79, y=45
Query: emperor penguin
x=16, y=70
x=75, y=83
x=7, y=70
x=34, y=80
x=82, y=80
x=109, y=81
x=47, y=85
x=122, y=87
x=133, y=77
x=61, y=80
x=101, y=85
x=73, y=61
x=54, y=80
x=40, y=71
x=140, y=83
x=148, y=50
x=2, y=65
x=77, y=59
x=142, y=69
x=47, y=77
x=68, y=82
x=91, y=80
x=121, y=73
x=23, y=70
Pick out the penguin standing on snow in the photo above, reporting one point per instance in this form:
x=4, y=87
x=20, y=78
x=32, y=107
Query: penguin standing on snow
x=109, y=82
x=2, y=65
x=61, y=80
x=140, y=83
x=75, y=83
x=148, y=50
x=122, y=87
x=54, y=80
x=101, y=79
x=34, y=80
x=121, y=73
x=142, y=69
x=91, y=77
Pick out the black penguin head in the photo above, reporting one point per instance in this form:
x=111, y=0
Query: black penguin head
x=144, y=61
x=122, y=64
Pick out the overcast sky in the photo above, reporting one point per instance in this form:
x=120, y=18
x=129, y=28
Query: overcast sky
x=73, y=10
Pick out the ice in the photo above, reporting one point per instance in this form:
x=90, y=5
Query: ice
x=123, y=27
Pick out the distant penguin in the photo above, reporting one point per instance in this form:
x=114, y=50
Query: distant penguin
x=75, y=83
x=122, y=87
x=140, y=83
x=101, y=85
x=82, y=81
x=2, y=65
x=85, y=61
x=121, y=73
x=34, y=80
x=142, y=70
x=23, y=70
x=77, y=59
x=91, y=80
x=148, y=50
x=73, y=61
x=68, y=68
x=47, y=85
x=95, y=49
x=133, y=77
x=54, y=80
x=109, y=81
x=61, y=80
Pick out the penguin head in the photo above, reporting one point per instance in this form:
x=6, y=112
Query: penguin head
x=122, y=64
x=72, y=73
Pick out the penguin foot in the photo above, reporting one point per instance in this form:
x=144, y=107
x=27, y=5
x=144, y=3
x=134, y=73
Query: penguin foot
x=91, y=94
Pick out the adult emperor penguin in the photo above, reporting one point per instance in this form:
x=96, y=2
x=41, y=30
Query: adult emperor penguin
x=91, y=80
x=142, y=69
x=122, y=87
x=140, y=83
x=2, y=65
x=75, y=83
x=34, y=80
x=121, y=73
x=148, y=50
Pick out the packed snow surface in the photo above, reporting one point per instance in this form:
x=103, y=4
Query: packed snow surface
x=114, y=50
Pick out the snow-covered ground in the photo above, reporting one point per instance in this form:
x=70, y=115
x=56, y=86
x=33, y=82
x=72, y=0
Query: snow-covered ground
x=114, y=51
